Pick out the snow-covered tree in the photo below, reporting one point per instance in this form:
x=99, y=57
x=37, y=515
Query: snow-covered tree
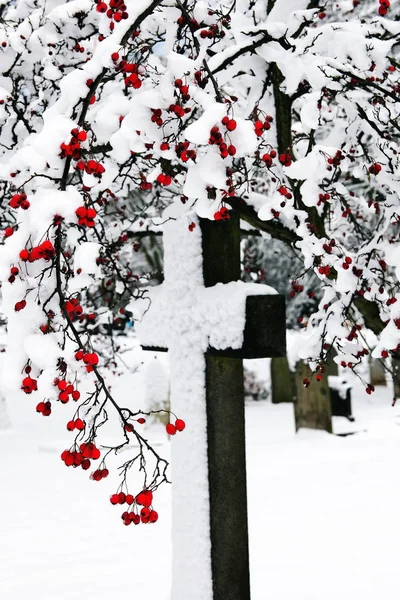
x=112, y=113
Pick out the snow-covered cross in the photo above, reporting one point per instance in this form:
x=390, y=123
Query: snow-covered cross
x=209, y=321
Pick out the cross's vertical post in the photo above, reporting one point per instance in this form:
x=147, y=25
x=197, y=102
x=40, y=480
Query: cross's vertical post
x=226, y=431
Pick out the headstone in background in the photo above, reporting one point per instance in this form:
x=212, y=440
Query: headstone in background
x=377, y=372
x=340, y=391
x=312, y=407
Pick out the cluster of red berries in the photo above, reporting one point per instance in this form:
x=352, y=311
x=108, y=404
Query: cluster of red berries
x=268, y=157
x=19, y=201
x=130, y=70
x=78, y=424
x=13, y=273
x=329, y=247
x=353, y=335
x=212, y=32
x=73, y=309
x=88, y=452
x=335, y=160
x=29, y=385
x=145, y=185
x=183, y=89
x=45, y=250
x=285, y=159
x=179, y=426
x=90, y=359
x=296, y=288
x=391, y=301
x=384, y=6
x=144, y=499
x=285, y=192
x=164, y=179
x=183, y=152
x=44, y=408
x=217, y=139
x=370, y=388
x=115, y=11
x=324, y=270
x=178, y=110
x=347, y=262
x=261, y=126
x=66, y=390
x=375, y=168
x=73, y=148
x=230, y=124
x=86, y=216
x=99, y=474
x=156, y=116
x=92, y=167
x=322, y=198
x=222, y=214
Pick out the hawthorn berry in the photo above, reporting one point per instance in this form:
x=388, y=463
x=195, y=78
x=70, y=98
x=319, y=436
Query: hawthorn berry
x=144, y=498
x=171, y=429
x=180, y=425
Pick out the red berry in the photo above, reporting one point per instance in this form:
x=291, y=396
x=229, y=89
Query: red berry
x=144, y=498
x=114, y=499
x=180, y=425
x=71, y=425
x=63, y=397
x=85, y=464
x=231, y=126
x=171, y=429
x=153, y=516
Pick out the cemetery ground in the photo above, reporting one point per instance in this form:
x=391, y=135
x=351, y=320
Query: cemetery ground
x=323, y=512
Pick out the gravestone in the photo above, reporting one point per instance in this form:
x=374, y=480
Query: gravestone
x=209, y=321
x=312, y=407
x=377, y=372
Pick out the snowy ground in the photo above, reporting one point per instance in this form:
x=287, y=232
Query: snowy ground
x=323, y=514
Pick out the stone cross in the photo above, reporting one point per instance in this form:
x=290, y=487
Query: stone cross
x=209, y=321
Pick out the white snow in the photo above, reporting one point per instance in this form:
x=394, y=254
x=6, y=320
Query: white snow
x=323, y=513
